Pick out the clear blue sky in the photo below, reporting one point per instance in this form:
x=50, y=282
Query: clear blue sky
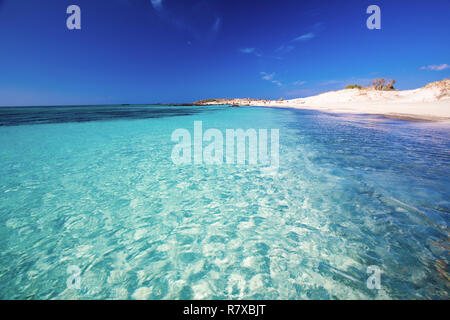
x=145, y=51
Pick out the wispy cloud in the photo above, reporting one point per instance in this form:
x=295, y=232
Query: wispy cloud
x=297, y=93
x=157, y=4
x=298, y=83
x=278, y=83
x=186, y=21
x=287, y=46
x=328, y=82
x=290, y=45
x=270, y=77
x=435, y=67
x=336, y=83
x=247, y=50
x=304, y=37
x=250, y=51
x=284, y=49
x=216, y=25
x=266, y=76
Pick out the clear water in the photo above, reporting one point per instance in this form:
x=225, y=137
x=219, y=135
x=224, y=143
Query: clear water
x=95, y=187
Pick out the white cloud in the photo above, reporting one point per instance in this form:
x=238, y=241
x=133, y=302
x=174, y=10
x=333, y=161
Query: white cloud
x=157, y=4
x=278, y=83
x=298, y=83
x=336, y=83
x=435, y=67
x=288, y=47
x=247, y=50
x=216, y=25
x=328, y=82
x=266, y=76
x=284, y=49
x=251, y=51
x=270, y=77
x=304, y=37
x=300, y=92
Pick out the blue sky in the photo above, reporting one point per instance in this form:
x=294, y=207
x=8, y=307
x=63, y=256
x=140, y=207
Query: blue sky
x=149, y=51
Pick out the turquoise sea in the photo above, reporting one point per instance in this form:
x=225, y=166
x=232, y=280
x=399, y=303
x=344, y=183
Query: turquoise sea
x=95, y=188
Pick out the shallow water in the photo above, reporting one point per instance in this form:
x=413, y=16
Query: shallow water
x=95, y=187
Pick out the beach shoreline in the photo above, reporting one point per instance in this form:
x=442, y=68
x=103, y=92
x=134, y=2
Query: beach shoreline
x=386, y=110
x=430, y=103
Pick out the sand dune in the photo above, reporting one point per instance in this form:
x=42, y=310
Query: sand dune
x=431, y=102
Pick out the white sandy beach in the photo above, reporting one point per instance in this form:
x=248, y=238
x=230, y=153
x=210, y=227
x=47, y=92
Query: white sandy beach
x=431, y=102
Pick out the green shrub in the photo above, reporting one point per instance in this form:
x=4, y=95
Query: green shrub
x=354, y=86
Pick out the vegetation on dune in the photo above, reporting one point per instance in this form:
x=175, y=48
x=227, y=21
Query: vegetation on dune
x=354, y=86
x=381, y=84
